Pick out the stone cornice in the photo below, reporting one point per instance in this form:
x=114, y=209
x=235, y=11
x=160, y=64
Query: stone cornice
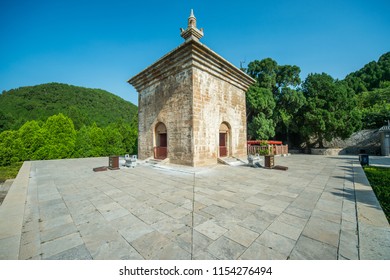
x=191, y=54
x=209, y=61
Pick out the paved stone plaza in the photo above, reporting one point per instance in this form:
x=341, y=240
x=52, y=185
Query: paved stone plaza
x=320, y=208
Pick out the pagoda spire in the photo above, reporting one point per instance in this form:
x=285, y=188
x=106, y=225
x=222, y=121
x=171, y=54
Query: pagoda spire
x=192, y=32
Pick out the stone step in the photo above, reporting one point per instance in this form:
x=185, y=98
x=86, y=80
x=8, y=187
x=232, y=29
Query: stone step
x=231, y=161
x=155, y=161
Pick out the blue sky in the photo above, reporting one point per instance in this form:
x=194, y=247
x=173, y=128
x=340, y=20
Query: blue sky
x=101, y=44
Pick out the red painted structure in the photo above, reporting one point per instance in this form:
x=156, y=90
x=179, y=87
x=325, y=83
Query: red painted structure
x=268, y=147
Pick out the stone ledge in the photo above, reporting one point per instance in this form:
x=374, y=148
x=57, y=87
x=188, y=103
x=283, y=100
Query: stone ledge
x=11, y=214
x=374, y=229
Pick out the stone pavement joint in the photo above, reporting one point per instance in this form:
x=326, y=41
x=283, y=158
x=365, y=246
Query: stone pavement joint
x=320, y=208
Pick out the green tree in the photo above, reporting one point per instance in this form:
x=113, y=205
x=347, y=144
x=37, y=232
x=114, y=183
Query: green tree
x=280, y=83
x=330, y=110
x=59, y=138
x=11, y=148
x=375, y=107
x=113, y=141
x=260, y=106
x=83, y=144
x=371, y=75
x=32, y=139
x=129, y=132
x=97, y=137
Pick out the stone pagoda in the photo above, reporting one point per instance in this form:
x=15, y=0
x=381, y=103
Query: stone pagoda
x=191, y=105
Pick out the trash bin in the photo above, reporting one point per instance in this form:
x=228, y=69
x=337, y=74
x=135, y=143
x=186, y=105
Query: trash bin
x=113, y=162
x=269, y=161
x=364, y=159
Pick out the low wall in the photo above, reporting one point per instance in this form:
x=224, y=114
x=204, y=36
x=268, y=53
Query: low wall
x=328, y=152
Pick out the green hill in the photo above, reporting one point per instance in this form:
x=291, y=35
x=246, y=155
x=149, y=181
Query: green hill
x=84, y=106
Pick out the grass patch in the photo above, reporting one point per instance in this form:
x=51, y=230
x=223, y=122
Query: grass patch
x=9, y=172
x=379, y=178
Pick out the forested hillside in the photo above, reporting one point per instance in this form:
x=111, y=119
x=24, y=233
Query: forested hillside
x=84, y=106
x=372, y=87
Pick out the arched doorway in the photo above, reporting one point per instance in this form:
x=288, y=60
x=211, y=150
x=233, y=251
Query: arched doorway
x=161, y=141
x=224, y=139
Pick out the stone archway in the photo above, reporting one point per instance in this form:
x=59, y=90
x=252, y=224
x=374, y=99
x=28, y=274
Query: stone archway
x=224, y=140
x=161, y=141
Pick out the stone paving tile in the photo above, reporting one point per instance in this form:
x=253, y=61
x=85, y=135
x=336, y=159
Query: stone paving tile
x=155, y=246
x=200, y=242
x=178, y=212
x=225, y=249
x=110, y=215
x=114, y=249
x=75, y=253
x=322, y=230
x=135, y=231
x=9, y=244
x=331, y=206
x=165, y=206
x=334, y=217
x=255, y=224
x=298, y=212
x=259, y=252
x=225, y=203
x=60, y=244
x=272, y=209
x=30, y=250
x=257, y=201
x=211, y=229
x=152, y=217
x=310, y=249
x=124, y=222
x=170, y=227
x=55, y=222
x=203, y=255
x=277, y=242
x=292, y=220
x=184, y=240
x=88, y=217
x=286, y=230
x=213, y=210
x=241, y=235
x=348, y=247
x=56, y=232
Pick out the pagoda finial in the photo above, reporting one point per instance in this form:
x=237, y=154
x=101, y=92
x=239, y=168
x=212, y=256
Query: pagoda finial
x=192, y=32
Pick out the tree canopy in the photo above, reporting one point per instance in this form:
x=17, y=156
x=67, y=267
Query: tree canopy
x=330, y=109
x=319, y=108
x=372, y=85
x=274, y=99
x=57, y=138
x=373, y=75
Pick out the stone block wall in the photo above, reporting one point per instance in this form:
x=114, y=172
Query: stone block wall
x=168, y=101
x=217, y=101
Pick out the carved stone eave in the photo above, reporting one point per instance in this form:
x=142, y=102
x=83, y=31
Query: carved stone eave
x=191, y=54
x=192, y=34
